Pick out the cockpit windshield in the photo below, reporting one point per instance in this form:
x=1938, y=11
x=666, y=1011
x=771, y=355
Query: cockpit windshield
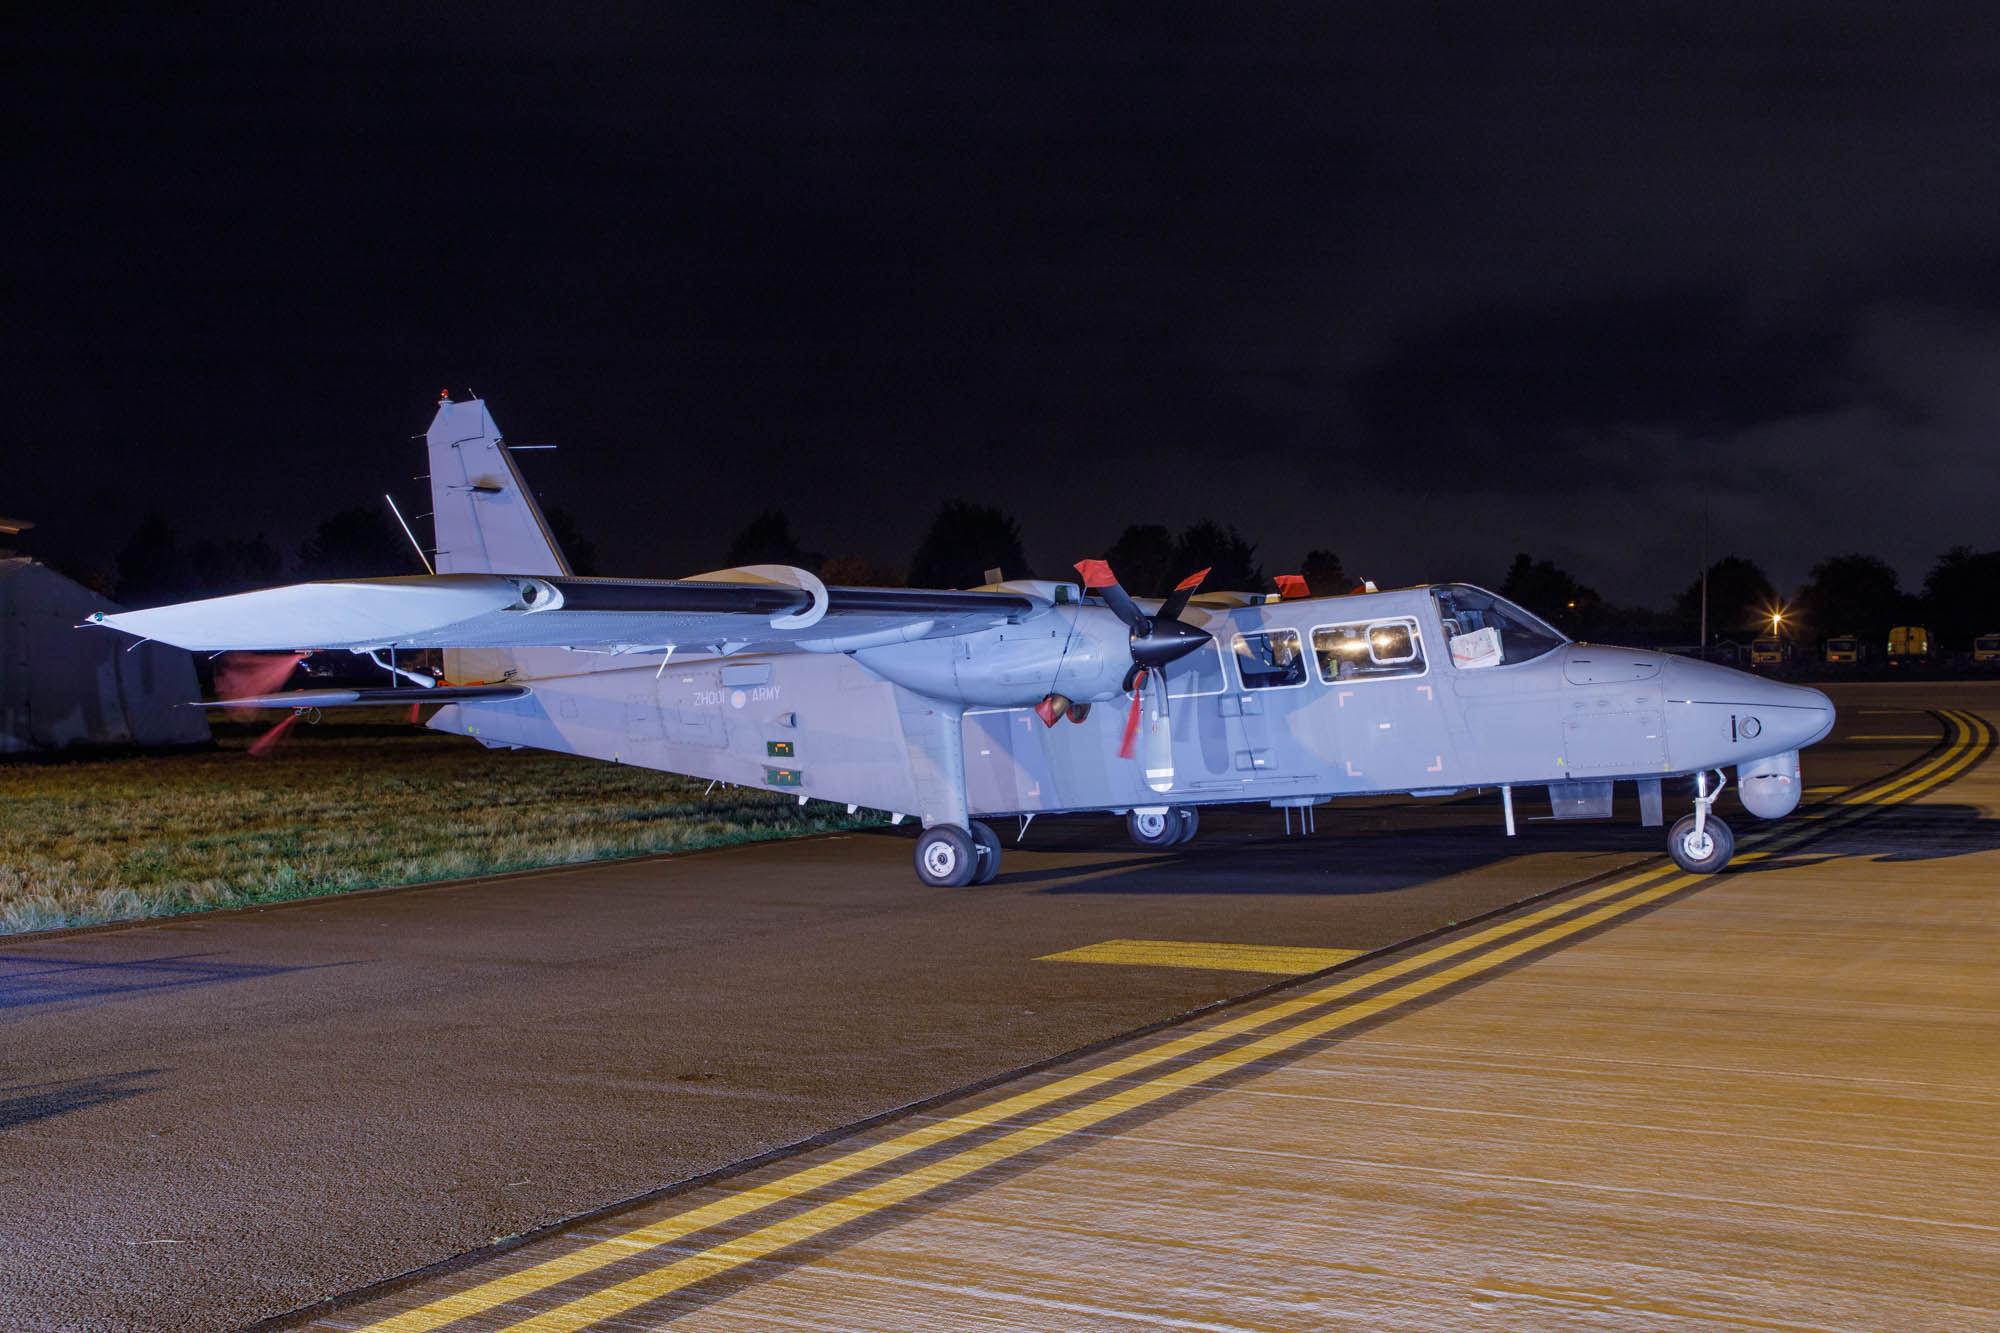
x=1483, y=630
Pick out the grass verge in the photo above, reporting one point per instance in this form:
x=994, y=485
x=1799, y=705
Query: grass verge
x=349, y=804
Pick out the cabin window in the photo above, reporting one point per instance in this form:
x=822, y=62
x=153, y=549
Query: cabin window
x=1369, y=650
x=1270, y=661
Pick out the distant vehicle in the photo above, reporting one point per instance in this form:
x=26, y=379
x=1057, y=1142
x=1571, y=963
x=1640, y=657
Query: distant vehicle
x=948, y=704
x=1986, y=648
x=1909, y=643
x=1767, y=652
x=1844, y=648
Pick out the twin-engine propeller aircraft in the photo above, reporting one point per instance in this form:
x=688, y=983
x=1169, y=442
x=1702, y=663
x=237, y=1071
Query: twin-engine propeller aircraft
x=952, y=704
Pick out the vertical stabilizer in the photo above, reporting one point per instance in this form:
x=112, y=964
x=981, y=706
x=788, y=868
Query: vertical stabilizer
x=487, y=522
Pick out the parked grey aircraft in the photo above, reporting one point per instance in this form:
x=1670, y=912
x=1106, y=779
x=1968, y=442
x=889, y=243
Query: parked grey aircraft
x=955, y=704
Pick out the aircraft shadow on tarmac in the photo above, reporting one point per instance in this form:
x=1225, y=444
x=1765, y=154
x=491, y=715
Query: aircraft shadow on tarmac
x=1898, y=833
x=1357, y=855
x=1361, y=852
x=32, y=979
x=25, y=1103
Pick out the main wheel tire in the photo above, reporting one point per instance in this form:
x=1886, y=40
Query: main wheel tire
x=1702, y=855
x=1160, y=828
x=946, y=857
x=986, y=846
x=1190, y=821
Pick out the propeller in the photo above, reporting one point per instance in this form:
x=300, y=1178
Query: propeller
x=268, y=742
x=242, y=673
x=1156, y=640
x=1149, y=733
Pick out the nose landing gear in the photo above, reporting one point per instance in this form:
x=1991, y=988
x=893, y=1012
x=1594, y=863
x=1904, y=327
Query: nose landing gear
x=1700, y=843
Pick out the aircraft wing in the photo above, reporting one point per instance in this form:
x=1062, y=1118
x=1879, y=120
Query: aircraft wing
x=707, y=614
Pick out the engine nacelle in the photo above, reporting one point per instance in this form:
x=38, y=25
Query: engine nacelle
x=1081, y=652
x=1770, y=788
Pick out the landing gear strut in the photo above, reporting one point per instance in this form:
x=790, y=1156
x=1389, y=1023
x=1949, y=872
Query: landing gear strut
x=1700, y=843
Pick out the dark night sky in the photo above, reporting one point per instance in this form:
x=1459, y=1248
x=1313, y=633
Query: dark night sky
x=1420, y=286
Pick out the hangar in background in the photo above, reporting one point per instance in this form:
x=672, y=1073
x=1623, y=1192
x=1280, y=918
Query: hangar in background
x=60, y=689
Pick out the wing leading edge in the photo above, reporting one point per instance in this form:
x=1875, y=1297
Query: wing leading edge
x=604, y=615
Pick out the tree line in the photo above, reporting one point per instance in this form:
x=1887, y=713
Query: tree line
x=1853, y=593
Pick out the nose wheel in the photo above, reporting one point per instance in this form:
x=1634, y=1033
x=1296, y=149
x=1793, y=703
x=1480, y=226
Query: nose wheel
x=1700, y=843
x=1704, y=850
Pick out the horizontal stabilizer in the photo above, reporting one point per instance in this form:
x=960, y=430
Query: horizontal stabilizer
x=442, y=694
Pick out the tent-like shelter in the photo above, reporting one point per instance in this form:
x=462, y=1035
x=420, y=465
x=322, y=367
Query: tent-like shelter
x=63, y=686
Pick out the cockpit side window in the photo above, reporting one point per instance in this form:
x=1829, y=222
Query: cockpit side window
x=1270, y=661
x=1483, y=630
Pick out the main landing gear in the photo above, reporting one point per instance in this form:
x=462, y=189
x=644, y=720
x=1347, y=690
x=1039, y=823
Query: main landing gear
x=1700, y=843
x=1163, y=826
x=949, y=857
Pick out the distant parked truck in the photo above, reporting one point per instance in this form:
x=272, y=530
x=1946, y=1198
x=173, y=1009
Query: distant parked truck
x=1986, y=648
x=1843, y=648
x=1909, y=643
x=1767, y=652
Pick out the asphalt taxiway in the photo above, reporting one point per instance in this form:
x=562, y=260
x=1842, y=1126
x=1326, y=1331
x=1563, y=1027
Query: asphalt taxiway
x=218, y=1120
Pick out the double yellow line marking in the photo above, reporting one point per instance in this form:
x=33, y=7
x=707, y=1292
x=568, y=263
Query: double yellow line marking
x=1189, y=1061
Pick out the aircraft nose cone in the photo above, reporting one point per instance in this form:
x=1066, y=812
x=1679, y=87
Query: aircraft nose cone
x=1169, y=641
x=1786, y=716
x=1816, y=713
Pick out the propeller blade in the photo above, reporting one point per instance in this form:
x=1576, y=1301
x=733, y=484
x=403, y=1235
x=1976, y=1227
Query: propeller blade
x=1097, y=574
x=264, y=744
x=1177, y=600
x=239, y=674
x=1125, y=750
x=1157, y=742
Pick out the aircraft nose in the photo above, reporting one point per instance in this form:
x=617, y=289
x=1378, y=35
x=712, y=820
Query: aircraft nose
x=1787, y=717
x=1822, y=709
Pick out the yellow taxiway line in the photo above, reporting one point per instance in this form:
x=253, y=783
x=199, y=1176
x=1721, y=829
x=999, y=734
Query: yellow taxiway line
x=801, y=1212
x=1280, y=958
